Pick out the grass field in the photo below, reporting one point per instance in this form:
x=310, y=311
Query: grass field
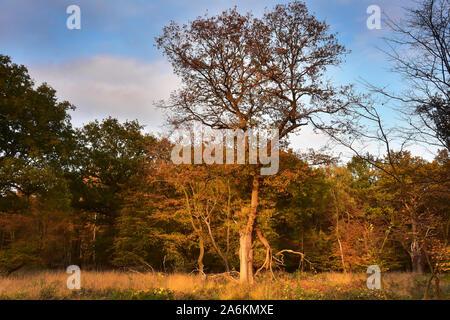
x=113, y=285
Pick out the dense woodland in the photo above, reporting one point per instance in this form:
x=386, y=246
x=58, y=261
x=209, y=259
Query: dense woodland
x=107, y=195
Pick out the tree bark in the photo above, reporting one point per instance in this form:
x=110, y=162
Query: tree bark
x=268, y=261
x=416, y=253
x=437, y=290
x=417, y=262
x=201, y=255
x=216, y=247
x=227, y=253
x=337, y=232
x=245, y=238
x=426, y=295
x=198, y=231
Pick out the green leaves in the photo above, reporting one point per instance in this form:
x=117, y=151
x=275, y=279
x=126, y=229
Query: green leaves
x=35, y=131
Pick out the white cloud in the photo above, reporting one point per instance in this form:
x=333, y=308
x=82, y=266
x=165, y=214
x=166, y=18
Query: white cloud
x=104, y=86
x=307, y=139
x=127, y=89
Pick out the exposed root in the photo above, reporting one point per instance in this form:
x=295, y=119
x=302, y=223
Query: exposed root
x=269, y=256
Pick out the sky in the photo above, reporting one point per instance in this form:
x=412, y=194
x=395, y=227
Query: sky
x=111, y=66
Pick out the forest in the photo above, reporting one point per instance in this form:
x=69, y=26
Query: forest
x=106, y=196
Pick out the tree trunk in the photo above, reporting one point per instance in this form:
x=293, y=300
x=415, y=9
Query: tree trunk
x=337, y=232
x=216, y=247
x=227, y=253
x=417, y=254
x=201, y=255
x=417, y=257
x=437, y=290
x=268, y=262
x=245, y=238
x=426, y=295
x=198, y=230
x=246, y=258
x=94, y=236
x=417, y=263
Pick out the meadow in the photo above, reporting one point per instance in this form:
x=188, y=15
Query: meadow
x=115, y=285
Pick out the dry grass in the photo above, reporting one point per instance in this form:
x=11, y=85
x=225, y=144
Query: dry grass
x=120, y=285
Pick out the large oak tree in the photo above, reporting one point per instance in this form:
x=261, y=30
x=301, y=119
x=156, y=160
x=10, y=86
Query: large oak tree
x=243, y=72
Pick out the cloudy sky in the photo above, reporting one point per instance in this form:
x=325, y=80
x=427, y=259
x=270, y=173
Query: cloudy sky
x=111, y=67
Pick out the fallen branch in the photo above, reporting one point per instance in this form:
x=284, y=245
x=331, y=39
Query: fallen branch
x=281, y=259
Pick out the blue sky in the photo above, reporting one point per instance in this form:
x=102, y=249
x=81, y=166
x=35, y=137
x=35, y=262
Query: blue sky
x=112, y=67
x=34, y=31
